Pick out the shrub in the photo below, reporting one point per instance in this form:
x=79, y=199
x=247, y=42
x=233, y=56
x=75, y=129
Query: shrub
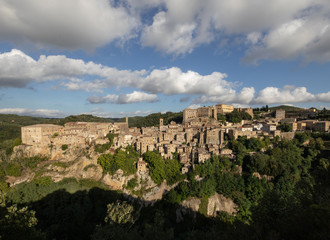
x=64, y=147
x=13, y=169
x=43, y=181
x=131, y=184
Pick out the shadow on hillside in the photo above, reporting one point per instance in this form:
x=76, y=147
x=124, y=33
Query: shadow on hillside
x=62, y=215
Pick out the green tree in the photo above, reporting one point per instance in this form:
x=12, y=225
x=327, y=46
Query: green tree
x=156, y=166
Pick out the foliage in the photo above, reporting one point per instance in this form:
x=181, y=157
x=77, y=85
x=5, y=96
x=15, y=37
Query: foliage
x=172, y=171
x=83, y=118
x=101, y=148
x=111, y=136
x=236, y=117
x=31, y=162
x=132, y=183
x=13, y=169
x=122, y=159
x=43, y=181
x=153, y=119
x=60, y=164
x=64, y=147
x=156, y=166
x=16, y=222
x=203, y=206
x=285, y=127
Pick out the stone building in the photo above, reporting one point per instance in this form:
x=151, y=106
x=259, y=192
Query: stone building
x=39, y=134
x=214, y=136
x=224, y=108
x=280, y=114
x=141, y=166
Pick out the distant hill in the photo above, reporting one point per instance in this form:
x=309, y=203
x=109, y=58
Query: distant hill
x=286, y=108
x=84, y=118
x=10, y=124
x=153, y=119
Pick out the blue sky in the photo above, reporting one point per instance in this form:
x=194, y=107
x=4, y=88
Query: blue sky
x=134, y=57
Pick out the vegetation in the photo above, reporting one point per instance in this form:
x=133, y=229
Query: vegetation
x=234, y=117
x=101, y=148
x=288, y=200
x=160, y=169
x=285, y=127
x=64, y=147
x=153, y=119
x=286, y=108
x=124, y=159
x=293, y=204
x=131, y=184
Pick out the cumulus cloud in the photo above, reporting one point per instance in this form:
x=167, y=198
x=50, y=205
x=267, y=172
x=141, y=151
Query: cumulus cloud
x=245, y=96
x=272, y=95
x=48, y=113
x=279, y=31
x=133, y=97
x=194, y=106
x=323, y=97
x=69, y=24
x=305, y=37
x=19, y=69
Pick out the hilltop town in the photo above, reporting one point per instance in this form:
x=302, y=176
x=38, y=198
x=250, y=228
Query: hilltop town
x=200, y=135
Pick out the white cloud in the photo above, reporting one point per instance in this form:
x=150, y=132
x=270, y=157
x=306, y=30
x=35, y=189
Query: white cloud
x=275, y=29
x=174, y=81
x=323, y=97
x=194, y=106
x=18, y=70
x=49, y=113
x=69, y=24
x=245, y=96
x=133, y=97
x=306, y=37
x=272, y=95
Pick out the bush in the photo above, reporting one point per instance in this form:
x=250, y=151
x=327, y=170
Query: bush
x=43, y=181
x=101, y=148
x=64, y=147
x=131, y=184
x=13, y=169
x=33, y=162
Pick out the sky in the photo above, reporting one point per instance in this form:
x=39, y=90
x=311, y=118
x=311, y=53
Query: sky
x=115, y=58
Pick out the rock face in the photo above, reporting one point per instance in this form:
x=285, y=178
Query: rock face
x=116, y=181
x=260, y=177
x=218, y=202
x=192, y=203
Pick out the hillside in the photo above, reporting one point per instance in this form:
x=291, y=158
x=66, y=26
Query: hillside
x=153, y=119
x=286, y=108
